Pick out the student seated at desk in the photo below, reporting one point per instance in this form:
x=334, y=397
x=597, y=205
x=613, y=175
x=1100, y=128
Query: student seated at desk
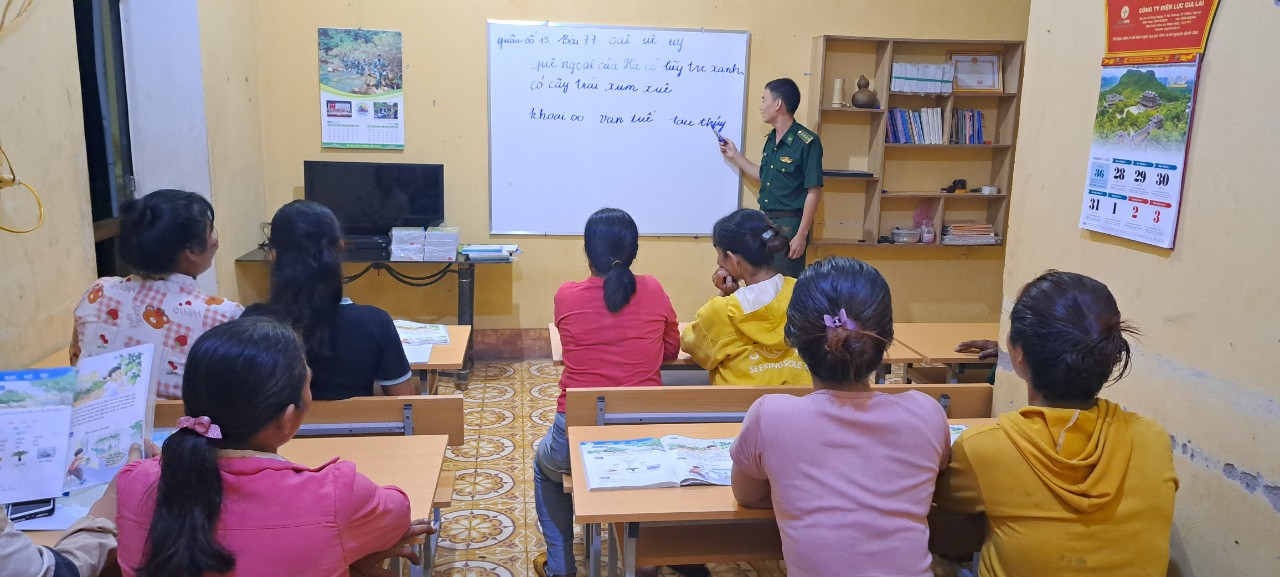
x=82, y=551
x=617, y=329
x=221, y=500
x=1072, y=484
x=849, y=472
x=169, y=238
x=350, y=347
x=737, y=336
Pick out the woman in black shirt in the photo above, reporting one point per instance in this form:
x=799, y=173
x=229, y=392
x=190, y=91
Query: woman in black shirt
x=350, y=347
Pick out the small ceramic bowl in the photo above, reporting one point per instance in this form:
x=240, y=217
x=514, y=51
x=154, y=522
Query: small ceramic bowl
x=906, y=235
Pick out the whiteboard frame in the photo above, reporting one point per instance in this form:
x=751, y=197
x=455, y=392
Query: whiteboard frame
x=488, y=89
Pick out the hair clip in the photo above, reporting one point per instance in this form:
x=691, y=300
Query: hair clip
x=768, y=234
x=840, y=320
x=203, y=426
x=615, y=263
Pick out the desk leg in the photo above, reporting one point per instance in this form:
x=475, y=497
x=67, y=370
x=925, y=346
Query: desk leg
x=466, y=313
x=629, y=550
x=906, y=373
x=431, y=545
x=591, y=534
x=613, y=552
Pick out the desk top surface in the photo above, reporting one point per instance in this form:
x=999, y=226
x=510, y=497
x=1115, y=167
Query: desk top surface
x=411, y=463
x=699, y=503
x=450, y=356
x=443, y=357
x=897, y=353
x=370, y=256
x=936, y=342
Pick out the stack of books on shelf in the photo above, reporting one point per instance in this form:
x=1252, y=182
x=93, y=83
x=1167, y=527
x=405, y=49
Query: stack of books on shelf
x=922, y=126
x=966, y=127
x=921, y=78
x=969, y=232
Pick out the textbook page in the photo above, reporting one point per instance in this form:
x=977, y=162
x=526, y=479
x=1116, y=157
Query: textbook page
x=700, y=461
x=412, y=333
x=33, y=450
x=113, y=396
x=632, y=464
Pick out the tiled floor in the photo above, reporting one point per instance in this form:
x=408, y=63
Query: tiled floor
x=492, y=529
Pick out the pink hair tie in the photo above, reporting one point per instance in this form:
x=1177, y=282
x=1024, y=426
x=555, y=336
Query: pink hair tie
x=203, y=426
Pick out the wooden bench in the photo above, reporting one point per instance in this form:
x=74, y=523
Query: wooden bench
x=729, y=404
x=364, y=416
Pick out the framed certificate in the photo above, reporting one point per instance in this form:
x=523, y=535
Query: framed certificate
x=977, y=71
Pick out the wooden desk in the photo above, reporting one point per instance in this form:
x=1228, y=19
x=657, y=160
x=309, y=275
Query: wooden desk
x=936, y=342
x=675, y=517
x=557, y=351
x=452, y=356
x=412, y=463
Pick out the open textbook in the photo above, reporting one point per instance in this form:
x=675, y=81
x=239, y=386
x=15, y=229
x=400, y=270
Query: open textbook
x=68, y=428
x=670, y=461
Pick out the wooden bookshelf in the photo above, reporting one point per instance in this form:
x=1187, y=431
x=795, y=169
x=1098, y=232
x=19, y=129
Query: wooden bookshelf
x=855, y=211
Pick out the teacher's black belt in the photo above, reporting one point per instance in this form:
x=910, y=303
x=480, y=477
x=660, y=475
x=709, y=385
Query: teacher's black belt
x=776, y=214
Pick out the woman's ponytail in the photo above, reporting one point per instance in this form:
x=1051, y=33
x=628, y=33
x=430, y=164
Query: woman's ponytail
x=612, y=240
x=619, y=286
x=180, y=541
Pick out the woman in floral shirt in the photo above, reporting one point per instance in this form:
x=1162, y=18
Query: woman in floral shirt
x=168, y=238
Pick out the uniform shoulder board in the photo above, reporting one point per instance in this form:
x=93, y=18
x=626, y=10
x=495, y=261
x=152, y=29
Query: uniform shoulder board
x=805, y=135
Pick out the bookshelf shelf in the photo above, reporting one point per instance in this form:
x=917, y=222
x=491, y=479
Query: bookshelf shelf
x=892, y=194
x=829, y=108
x=1005, y=94
x=965, y=146
x=860, y=213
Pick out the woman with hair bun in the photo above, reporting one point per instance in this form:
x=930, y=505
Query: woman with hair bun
x=168, y=239
x=737, y=336
x=849, y=472
x=1072, y=483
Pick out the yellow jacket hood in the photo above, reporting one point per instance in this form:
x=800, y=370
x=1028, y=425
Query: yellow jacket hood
x=1082, y=456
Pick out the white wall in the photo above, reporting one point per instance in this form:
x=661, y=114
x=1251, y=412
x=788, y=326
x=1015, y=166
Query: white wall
x=165, y=88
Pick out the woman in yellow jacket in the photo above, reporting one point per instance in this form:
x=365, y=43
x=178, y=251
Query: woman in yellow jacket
x=1072, y=484
x=737, y=336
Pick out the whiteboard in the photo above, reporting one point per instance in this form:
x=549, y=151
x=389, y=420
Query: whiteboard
x=584, y=117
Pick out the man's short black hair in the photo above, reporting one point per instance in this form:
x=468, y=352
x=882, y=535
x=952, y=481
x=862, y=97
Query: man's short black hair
x=785, y=89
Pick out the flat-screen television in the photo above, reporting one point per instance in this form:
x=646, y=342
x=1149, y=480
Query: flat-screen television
x=369, y=198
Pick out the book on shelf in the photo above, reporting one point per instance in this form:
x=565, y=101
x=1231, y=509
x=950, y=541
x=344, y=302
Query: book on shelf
x=922, y=126
x=70, y=428
x=967, y=127
x=921, y=78
x=670, y=461
x=969, y=232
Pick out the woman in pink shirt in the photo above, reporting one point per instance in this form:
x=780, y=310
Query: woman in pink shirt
x=848, y=471
x=221, y=501
x=617, y=329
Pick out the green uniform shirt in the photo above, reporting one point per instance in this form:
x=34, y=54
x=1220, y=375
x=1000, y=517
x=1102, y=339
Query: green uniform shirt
x=788, y=169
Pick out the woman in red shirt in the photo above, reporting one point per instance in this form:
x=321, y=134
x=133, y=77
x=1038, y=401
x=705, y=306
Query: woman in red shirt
x=617, y=329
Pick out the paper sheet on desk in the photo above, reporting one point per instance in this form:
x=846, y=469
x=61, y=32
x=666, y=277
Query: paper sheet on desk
x=418, y=354
x=67, y=511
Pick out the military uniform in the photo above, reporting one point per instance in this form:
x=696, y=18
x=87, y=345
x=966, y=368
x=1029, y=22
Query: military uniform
x=788, y=169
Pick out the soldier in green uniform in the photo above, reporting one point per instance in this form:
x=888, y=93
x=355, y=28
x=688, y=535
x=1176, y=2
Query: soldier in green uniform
x=790, y=171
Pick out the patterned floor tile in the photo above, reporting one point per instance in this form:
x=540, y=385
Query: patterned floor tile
x=492, y=528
